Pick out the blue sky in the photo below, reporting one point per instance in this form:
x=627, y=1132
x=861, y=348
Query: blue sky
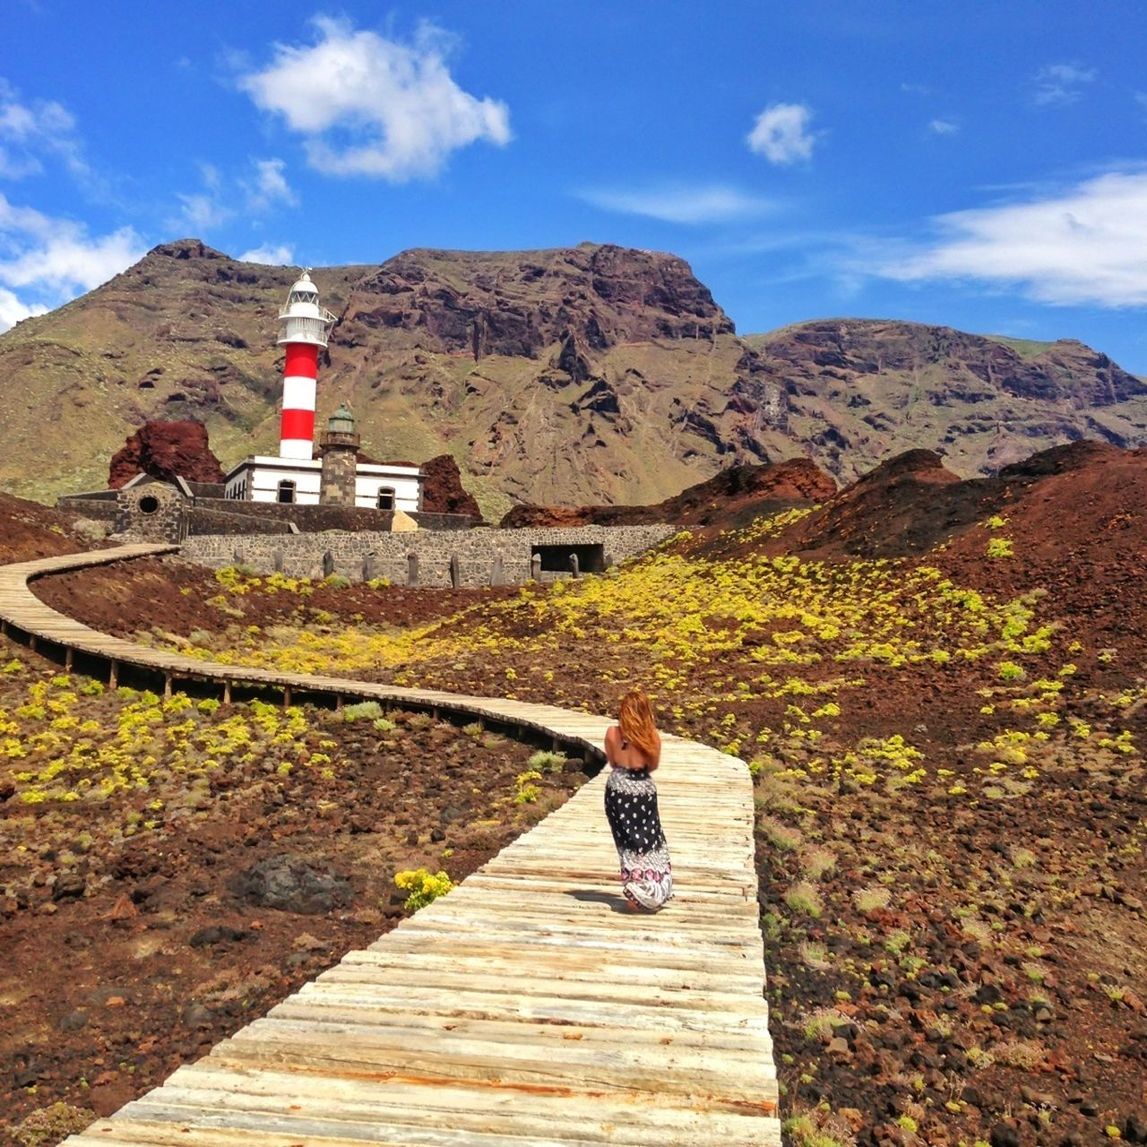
x=979, y=164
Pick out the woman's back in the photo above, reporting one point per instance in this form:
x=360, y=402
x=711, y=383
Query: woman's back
x=627, y=755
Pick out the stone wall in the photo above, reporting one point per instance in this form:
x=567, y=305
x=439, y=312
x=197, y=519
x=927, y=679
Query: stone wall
x=153, y=511
x=220, y=515
x=313, y=518
x=308, y=518
x=478, y=557
x=100, y=507
x=201, y=520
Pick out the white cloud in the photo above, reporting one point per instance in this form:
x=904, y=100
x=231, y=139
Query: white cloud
x=781, y=133
x=681, y=204
x=31, y=131
x=50, y=261
x=943, y=127
x=203, y=212
x=372, y=106
x=259, y=191
x=268, y=186
x=1060, y=84
x=1083, y=245
x=280, y=255
x=13, y=309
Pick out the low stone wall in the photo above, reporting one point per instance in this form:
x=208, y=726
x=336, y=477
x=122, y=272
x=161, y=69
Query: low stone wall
x=101, y=508
x=441, y=557
x=308, y=518
x=215, y=522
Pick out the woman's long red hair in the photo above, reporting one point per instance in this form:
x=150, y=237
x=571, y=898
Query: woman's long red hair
x=635, y=719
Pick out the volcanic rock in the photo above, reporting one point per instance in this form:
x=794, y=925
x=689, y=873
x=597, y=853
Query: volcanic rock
x=289, y=883
x=442, y=489
x=586, y=298
x=166, y=450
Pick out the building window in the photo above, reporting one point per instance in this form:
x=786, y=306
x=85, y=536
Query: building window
x=286, y=491
x=386, y=498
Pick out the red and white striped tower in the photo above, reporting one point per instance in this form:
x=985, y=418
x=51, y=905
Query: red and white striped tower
x=304, y=326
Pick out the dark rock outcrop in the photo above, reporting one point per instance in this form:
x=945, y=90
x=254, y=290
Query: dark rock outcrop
x=166, y=450
x=442, y=489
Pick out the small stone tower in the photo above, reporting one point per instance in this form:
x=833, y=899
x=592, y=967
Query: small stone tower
x=340, y=458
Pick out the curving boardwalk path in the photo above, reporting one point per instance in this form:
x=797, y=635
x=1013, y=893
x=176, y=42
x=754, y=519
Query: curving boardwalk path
x=527, y=1007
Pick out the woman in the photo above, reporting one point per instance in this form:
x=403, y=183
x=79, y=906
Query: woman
x=633, y=749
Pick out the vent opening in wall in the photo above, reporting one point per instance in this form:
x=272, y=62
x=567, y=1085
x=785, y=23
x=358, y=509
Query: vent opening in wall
x=148, y=504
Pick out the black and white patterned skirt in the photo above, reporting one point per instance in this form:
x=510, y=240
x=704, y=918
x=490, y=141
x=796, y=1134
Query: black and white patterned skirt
x=631, y=809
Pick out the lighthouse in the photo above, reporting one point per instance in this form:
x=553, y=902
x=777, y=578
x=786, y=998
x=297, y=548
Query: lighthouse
x=296, y=476
x=304, y=326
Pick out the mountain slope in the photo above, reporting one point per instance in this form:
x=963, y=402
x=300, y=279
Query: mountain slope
x=586, y=375
x=861, y=390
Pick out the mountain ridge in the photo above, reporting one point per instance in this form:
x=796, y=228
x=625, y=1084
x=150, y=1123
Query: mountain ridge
x=582, y=375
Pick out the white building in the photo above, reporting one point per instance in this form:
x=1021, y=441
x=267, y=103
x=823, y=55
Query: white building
x=263, y=478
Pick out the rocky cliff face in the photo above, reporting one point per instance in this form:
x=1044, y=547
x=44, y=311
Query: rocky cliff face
x=860, y=391
x=585, y=300
x=970, y=368
x=587, y=375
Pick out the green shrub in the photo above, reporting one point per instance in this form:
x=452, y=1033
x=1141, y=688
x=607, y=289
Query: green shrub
x=362, y=711
x=544, y=761
x=804, y=899
x=527, y=790
x=780, y=835
x=52, y=1124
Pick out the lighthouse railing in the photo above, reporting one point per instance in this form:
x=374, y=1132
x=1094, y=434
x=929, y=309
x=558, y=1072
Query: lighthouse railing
x=305, y=328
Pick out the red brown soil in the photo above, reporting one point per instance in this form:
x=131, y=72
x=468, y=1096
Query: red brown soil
x=729, y=499
x=29, y=531
x=1056, y=987
x=123, y=962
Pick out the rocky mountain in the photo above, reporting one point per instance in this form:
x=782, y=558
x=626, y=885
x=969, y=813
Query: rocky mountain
x=587, y=375
x=862, y=390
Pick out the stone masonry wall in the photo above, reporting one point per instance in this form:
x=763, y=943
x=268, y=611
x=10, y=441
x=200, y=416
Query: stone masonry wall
x=361, y=556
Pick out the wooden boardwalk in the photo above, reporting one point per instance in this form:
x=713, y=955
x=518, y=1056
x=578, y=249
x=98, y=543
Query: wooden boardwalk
x=527, y=1007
